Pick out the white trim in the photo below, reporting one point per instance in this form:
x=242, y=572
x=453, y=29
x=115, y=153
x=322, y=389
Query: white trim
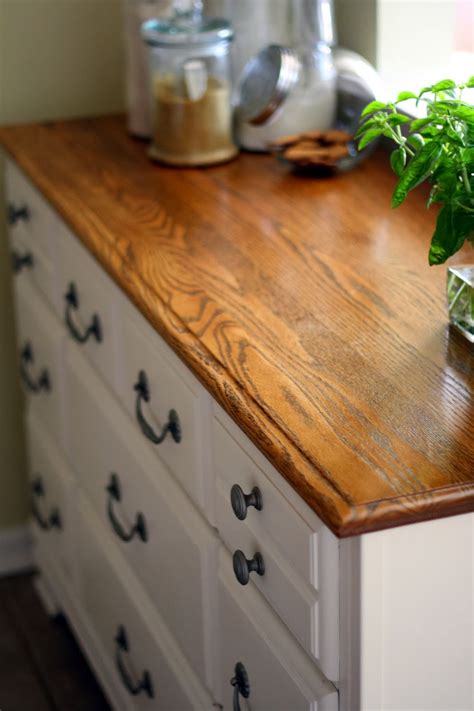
x=16, y=550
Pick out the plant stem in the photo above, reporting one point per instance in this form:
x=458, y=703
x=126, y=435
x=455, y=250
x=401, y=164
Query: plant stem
x=465, y=178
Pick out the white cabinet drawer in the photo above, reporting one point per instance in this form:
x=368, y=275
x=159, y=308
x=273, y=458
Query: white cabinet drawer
x=51, y=487
x=300, y=576
x=87, y=297
x=32, y=231
x=172, y=549
x=281, y=677
x=159, y=392
x=40, y=353
x=114, y=608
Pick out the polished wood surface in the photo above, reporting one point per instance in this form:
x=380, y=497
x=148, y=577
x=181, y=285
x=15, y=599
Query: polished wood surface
x=305, y=306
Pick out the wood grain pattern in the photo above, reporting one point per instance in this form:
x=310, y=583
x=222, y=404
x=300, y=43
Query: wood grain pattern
x=306, y=307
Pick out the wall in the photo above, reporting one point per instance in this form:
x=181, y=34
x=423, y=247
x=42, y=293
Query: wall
x=58, y=59
x=356, y=22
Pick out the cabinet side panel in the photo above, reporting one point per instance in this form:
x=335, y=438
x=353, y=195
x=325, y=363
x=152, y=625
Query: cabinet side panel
x=417, y=617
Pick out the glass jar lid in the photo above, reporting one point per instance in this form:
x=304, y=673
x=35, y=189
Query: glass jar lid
x=180, y=31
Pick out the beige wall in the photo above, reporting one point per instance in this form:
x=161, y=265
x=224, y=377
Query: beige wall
x=58, y=58
x=356, y=22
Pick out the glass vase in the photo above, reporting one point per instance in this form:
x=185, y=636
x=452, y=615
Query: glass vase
x=461, y=299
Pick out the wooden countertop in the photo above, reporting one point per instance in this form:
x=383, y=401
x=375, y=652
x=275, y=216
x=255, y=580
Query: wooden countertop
x=305, y=306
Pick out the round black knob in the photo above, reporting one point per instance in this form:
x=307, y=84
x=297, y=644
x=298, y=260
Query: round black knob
x=240, y=502
x=243, y=567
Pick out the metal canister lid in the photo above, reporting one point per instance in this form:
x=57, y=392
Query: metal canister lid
x=266, y=81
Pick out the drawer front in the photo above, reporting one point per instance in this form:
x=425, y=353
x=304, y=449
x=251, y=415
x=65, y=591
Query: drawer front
x=163, y=538
x=300, y=564
x=280, y=676
x=295, y=601
x=145, y=662
x=40, y=354
x=87, y=300
x=33, y=227
x=170, y=410
x=51, y=489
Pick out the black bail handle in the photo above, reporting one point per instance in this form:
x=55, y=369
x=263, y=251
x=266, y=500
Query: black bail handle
x=173, y=426
x=138, y=528
x=46, y=523
x=37, y=384
x=94, y=330
x=134, y=688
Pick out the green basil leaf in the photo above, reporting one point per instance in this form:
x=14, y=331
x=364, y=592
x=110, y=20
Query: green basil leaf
x=404, y=95
x=398, y=160
x=452, y=228
x=372, y=107
x=424, y=91
x=461, y=111
x=419, y=168
x=470, y=83
x=368, y=137
x=419, y=123
x=397, y=119
x=416, y=140
x=363, y=127
x=443, y=85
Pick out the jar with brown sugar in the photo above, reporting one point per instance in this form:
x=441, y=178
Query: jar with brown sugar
x=191, y=88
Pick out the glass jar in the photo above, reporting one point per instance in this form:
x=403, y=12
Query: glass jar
x=191, y=87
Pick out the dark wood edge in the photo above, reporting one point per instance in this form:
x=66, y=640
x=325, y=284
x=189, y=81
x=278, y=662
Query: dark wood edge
x=320, y=495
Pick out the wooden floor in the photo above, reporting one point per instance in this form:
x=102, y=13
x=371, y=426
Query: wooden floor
x=41, y=666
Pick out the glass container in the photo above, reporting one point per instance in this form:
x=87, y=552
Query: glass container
x=461, y=299
x=191, y=85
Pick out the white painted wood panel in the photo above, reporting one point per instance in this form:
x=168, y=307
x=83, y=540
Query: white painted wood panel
x=34, y=235
x=177, y=562
x=110, y=599
x=281, y=676
x=38, y=327
x=46, y=463
x=169, y=389
x=301, y=564
x=96, y=298
x=417, y=617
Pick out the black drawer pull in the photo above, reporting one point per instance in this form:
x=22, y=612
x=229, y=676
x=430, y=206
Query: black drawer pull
x=243, y=567
x=21, y=261
x=15, y=214
x=54, y=518
x=72, y=304
x=139, y=527
x=173, y=426
x=34, y=385
x=240, y=502
x=133, y=687
x=241, y=685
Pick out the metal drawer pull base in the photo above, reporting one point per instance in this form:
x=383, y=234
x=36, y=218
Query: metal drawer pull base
x=173, y=426
x=243, y=567
x=241, y=685
x=72, y=304
x=21, y=261
x=42, y=382
x=134, y=688
x=138, y=528
x=54, y=518
x=15, y=214
x=240, y=502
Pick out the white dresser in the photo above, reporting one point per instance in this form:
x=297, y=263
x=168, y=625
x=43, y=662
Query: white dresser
x=192, y=574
